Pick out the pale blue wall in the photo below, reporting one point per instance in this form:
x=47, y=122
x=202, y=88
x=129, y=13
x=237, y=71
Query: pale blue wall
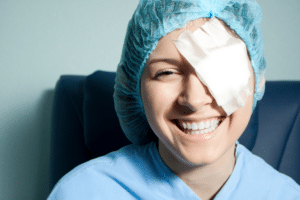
x=41, y=40
x=281, y=27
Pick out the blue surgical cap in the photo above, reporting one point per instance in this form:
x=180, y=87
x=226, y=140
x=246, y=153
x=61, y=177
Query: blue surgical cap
x=154, y=19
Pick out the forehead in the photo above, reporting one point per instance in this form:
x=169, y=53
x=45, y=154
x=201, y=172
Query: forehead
x=167, y=49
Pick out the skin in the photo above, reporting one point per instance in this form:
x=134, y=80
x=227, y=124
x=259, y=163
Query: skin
x=170, y=91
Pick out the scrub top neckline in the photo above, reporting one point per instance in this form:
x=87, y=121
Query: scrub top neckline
x=180, y=185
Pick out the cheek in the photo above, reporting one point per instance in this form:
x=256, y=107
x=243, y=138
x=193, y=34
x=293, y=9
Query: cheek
x=157, y=102
x=165, y=97
x=241, y=117
x=158, y=99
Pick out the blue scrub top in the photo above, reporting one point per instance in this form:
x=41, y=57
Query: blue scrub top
x=138, y=172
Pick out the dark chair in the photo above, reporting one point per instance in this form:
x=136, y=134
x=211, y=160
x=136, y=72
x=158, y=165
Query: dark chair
x=85, y=124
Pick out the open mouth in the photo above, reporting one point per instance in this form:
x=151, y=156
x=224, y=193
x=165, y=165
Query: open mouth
x=199, y=128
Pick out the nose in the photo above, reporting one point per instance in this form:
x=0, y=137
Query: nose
x=194, y=94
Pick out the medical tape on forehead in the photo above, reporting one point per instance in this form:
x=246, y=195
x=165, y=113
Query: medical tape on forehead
x=220, y=61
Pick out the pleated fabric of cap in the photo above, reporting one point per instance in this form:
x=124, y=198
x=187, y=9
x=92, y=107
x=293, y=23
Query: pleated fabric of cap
x=154, y=19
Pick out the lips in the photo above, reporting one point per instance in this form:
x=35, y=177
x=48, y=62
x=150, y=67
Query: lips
x=179, y=123
x=195, y=136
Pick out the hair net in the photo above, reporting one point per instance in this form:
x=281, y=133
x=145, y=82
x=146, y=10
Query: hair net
x=154, y=19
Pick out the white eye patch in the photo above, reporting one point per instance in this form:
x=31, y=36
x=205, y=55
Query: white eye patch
x=221, y=63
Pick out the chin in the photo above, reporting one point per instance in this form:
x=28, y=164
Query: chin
x=190, y=156
x=198, y=157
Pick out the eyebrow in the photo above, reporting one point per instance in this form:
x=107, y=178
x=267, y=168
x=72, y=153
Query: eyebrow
x=167, y=60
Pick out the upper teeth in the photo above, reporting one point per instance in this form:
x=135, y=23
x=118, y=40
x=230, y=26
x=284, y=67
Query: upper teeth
x=201, y=125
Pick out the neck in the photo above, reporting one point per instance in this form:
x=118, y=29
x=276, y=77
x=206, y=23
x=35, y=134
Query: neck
x=205, y=180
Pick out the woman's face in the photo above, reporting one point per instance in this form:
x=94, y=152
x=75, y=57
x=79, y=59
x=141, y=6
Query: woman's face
x=172, y=95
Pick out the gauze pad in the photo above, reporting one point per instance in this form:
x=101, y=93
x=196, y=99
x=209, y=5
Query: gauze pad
x=220, y=61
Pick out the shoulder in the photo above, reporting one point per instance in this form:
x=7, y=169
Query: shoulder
x=102, y=175
x=265, y=178
x=103, y=164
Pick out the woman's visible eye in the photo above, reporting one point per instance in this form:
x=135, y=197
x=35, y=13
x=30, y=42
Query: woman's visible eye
x=164, y=73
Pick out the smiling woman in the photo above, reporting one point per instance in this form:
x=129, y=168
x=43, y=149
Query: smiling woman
x=175, y=102
x=188, y=81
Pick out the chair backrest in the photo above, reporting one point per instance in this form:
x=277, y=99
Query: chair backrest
x=85, y=124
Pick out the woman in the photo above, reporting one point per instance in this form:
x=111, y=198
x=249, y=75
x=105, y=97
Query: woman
x=185, y=140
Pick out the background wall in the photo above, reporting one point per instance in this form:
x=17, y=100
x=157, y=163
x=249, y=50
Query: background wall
x=41, y=40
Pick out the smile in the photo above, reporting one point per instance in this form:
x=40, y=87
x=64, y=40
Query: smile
x=201, y=127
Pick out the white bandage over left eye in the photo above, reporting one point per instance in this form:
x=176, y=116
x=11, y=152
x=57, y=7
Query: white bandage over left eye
x=221, y=63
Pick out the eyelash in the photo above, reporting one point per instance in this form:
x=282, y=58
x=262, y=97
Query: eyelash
x=165, y=72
